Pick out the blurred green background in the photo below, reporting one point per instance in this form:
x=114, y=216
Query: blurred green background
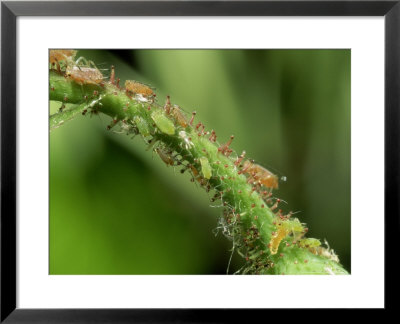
x=116, y=208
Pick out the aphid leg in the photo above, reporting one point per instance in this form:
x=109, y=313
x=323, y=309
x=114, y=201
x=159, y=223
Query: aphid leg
x=86, y=63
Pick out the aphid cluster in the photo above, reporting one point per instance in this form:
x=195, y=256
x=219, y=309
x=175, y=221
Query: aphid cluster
x=181, y=142
x=81, y=71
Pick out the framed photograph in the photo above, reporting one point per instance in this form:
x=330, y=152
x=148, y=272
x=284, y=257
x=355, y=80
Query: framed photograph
x=173, y=156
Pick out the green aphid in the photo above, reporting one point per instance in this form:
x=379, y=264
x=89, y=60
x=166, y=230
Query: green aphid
x=163, y=123
x=205, y=168
x=142, y=126
x=309, y=243
x=293, y=226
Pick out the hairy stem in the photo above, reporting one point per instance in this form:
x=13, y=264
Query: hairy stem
x=269, y=241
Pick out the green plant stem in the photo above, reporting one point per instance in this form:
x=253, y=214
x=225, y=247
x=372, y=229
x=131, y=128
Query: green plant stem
x=247, y=219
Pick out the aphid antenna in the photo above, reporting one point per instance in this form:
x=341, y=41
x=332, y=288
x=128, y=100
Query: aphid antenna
x=86, y=63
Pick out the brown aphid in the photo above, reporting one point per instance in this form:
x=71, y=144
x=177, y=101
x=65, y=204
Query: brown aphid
x=135, y=87
x=56, y=56
x=165, y=157
x=84, y=75
x=179, y=116
x=261, y=175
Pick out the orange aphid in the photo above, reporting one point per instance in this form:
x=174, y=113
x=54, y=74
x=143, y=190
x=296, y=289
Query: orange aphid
x=276, y=239
x=179, y=116
x=61, y=55
x=259, y=174
x=84, y=75
x=135, y=87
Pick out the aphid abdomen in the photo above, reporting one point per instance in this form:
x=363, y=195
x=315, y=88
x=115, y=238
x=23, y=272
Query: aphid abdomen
x=269, y=180
x=309, y=243
x=84, y=75
x=138, y=88
x=261, y=175
x=179, y=117
x=163, y=123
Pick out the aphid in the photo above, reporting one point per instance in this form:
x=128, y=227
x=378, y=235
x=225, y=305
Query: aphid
x=260, y=175
x=163, y=123
x=276, y=239
x=84, y=75
x=205, y=168
x=179, y=117
x=309, y=243
x=56, y=56
x=325, y=252
x=135, y=87
x=330, y=254
x=142, y=126
x=127, y=128
x=167, y=159
x=285, y=228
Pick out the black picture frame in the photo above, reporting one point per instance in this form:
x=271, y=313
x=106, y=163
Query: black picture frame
x=11, y=10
